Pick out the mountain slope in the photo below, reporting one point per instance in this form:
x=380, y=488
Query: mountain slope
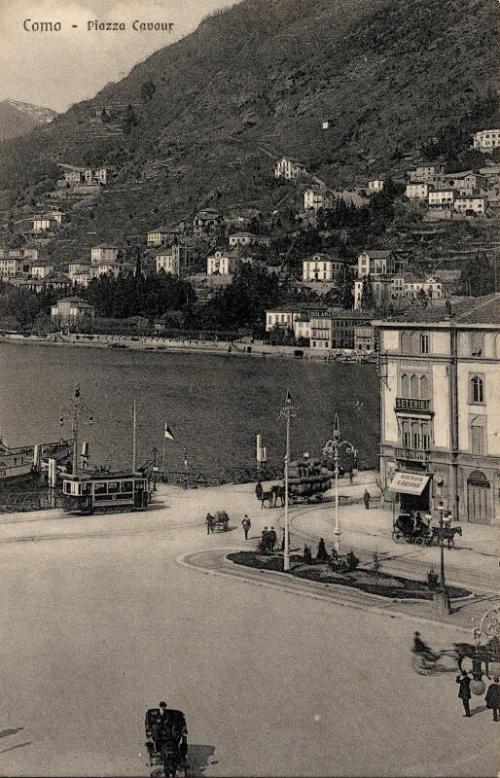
x=255, y=82
x=17, y=118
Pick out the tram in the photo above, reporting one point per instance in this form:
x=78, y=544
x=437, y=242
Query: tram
x=87, y=492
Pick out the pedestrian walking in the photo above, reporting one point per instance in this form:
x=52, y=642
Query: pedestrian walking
x=366, y=499
x=209, y=522
x=322, y=553
x=272, y=538
x=246, y=524
x=351, y=476
x=264, y=539
x=464, y=692
x=493, y=698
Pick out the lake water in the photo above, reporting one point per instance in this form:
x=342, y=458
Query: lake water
x=214, y=405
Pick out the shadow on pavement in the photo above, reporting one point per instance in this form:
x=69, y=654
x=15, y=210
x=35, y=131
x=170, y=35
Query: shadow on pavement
x=19, y=745
x=198, y=757
x=7, y=732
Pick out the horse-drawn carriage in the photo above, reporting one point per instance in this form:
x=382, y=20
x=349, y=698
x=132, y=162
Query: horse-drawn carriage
x=479, y=659
x=308, y=480
x=166, y=743
x=219, y=522
x=406, y=530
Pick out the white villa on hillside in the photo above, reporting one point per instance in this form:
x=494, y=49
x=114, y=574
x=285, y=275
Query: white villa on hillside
x=289, y=168
x=486, y=140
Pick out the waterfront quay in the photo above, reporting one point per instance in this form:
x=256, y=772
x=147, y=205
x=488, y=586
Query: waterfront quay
x=110, y=613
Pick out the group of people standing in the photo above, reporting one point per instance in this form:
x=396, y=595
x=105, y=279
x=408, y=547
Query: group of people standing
x=492, y=698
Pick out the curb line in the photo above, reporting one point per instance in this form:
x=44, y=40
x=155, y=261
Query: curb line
x=183, y=560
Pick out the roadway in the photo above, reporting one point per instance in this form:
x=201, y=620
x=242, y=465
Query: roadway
x=97, y=629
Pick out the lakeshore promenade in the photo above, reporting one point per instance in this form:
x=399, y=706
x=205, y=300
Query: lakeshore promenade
x=473, y=562
x=118, y=611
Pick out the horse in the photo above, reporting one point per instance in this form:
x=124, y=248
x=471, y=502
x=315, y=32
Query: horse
x=267, y=497
x=221, y=520
x=445, y=533
x=278, y=491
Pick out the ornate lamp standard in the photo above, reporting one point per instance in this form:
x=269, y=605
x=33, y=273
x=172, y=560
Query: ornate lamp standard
x=332, y=447
x=442, y=598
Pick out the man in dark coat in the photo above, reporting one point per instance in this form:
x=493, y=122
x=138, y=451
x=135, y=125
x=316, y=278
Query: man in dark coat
x=272, y=538
x=366, y=499
x=246, y=524
x=322, y=553
x=464, y=692
x=493, y=698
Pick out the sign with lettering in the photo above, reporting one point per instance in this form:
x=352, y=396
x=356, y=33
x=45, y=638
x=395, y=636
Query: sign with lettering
x=409, y=483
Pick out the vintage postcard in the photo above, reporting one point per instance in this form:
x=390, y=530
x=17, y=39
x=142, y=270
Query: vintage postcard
x=249, y=388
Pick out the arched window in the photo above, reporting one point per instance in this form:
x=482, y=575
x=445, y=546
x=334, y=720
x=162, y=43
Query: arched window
x=406, y=434
x=476, y=344
x=414, y=387
x=405, y=385
x=424, y=387
x=406, y=342
x=426, y=436
x=476, y=390
x=416, y=439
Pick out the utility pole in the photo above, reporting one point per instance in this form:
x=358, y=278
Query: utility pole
x=134, y=437
x=287, y=413
x=336, y=441
x=75, y=423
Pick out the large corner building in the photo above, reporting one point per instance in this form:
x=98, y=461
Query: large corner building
x=440, y=411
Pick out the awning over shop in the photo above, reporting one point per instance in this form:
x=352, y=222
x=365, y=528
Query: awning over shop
x=409, y=483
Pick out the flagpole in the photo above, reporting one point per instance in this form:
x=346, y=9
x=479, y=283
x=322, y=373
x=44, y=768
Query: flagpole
x=163, y=457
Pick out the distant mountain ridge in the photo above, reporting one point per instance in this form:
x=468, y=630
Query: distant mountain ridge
x=212, y=111
x=18, y=118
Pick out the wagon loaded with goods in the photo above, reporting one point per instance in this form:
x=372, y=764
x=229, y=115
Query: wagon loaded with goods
x=308, y=480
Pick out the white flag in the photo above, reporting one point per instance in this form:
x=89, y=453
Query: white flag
x=168, y=433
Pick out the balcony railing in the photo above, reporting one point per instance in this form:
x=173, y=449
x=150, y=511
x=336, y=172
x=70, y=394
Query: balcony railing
x=409, y=404
x=412, y=454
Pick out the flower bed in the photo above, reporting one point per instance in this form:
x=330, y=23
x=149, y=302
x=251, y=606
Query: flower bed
x=383, y=584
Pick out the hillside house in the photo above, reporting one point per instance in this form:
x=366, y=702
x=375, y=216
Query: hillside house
x=70, y=310
x=410, y=286
x=178, y=260
x=223, y=263
x=417, y=190
x=103, y=253
x=486, y=140
x=289, y=168
x=467, y=183
x=57, y=216
x=42, y=224
x=77, y=267
x=248, y=239
x=107, y=267
x=82, y=277
x=160, y=236
x=441, y=199
x=373, y=262
x=207, y=221
x=365, y=339
x=376, y=185
x=76, y=176
x=381, y=287
x=471, y=206
x=10, y=267
x=41, y=270
x=322, y=267
x=316, y=198
x=426, y=173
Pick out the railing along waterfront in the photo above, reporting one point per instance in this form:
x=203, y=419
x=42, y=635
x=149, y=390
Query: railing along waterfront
x=410, y=404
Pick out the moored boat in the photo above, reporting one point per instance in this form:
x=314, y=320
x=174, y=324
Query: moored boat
x=22, y=462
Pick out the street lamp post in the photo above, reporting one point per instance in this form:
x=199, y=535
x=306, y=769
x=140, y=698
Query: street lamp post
x=332, y=447
x=287, y=413
x=442, y=597
x=336, y=441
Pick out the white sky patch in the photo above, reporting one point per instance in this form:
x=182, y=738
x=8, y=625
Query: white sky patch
x=56, y=69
